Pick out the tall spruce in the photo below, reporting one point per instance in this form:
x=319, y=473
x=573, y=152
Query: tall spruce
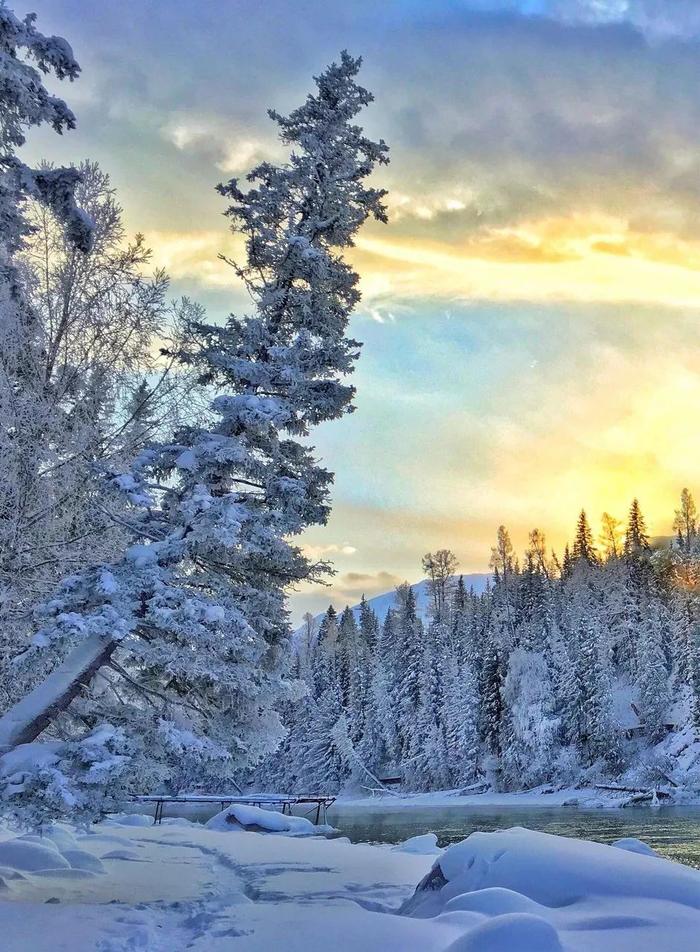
x=636, y=538
x=584, y=548
x=191, y=624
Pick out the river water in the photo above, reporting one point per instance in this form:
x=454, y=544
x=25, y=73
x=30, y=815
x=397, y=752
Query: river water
x=673, y=832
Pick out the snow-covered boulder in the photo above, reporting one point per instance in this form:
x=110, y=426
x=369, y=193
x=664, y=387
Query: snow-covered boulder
x=240, y=816
x=520, y=890
x=423, y=845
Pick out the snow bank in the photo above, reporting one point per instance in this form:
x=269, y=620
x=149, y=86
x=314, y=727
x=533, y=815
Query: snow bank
x=530, y=892
x=240, y=816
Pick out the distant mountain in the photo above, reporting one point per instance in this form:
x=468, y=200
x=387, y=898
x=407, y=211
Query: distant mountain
x=382, y=603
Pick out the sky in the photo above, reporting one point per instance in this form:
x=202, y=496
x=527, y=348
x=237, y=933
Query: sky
x=530, y=314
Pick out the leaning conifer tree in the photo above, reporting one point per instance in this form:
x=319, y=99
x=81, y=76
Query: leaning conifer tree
x=189, y=630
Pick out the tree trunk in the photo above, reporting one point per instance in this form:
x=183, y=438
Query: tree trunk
x=23, y=722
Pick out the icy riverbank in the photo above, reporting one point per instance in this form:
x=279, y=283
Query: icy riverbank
x=546, y=796
x=180, y=886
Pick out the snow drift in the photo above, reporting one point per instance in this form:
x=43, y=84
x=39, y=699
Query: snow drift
x=535, y=892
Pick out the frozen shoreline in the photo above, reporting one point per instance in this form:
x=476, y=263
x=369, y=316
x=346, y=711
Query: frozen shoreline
x=582, y=798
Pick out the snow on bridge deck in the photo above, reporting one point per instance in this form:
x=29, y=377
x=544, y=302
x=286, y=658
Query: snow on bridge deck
x=279, y=801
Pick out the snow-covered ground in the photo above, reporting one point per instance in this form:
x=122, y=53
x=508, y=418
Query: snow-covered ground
x=181, y=886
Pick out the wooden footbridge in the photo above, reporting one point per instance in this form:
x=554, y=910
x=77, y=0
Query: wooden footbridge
x=281, y=802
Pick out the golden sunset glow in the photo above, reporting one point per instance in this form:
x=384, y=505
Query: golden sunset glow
x=574, y=259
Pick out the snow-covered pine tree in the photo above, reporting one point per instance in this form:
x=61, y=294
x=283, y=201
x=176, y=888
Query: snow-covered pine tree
x=369, y=625
x=583, y=541
x=534, y=593
x=379, y=747
x=653, y=676
x=636, y=537
x=26, y=102
x=460, y=719
x=387, y=647
x=492, y=695
x=321, y=751
x=600, y=736
x=324, y=658
x=409, y=666
x=564, y=673
x=191, y=624
x=530, y=727
x=328, y=629
x=637, y=552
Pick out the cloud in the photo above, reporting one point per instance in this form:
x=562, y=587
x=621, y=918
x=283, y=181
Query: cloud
x=195, y=255
x=506, y=120
x=233, y=148
x=520, y=118
x=540, y=261
x=328, y=548
x=657, y=18
x=346, y=589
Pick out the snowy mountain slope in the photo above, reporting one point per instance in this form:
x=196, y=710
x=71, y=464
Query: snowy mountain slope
x=381, y=604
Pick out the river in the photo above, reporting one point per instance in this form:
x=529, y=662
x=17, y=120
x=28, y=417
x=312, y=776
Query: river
x=673, y=832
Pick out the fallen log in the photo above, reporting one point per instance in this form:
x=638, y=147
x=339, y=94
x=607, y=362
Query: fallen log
x=618, y=789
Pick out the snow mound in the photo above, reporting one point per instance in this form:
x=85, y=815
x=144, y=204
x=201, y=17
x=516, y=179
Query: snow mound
x=528, y=890
x=240, y=816
x=29, y=857
x=492, y=902
x=633, y=845
x=128, y=819
x=508, y=933
x=127, y=855
x=68, y=874
x=423, y=845
x=556, y=870
x=56, y=853
x=59, y=835
x=27, y=758
x=81, y=859
x=35, y=838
